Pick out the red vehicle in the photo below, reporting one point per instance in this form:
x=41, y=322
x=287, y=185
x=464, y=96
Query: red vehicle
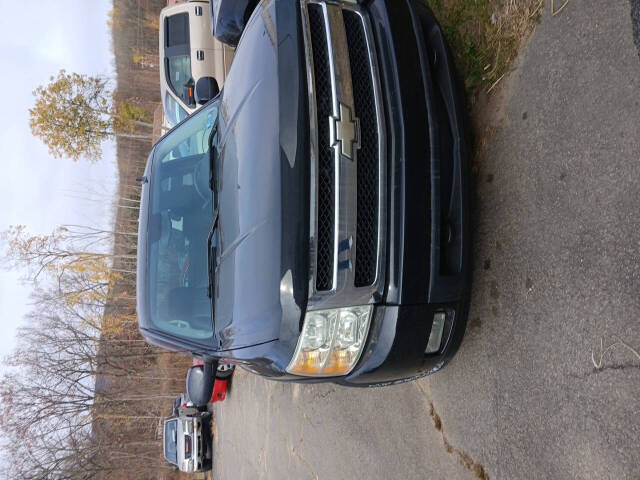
x=223, y=373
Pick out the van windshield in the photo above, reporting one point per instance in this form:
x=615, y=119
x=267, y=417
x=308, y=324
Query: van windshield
x=180, y=217
x=175, y=113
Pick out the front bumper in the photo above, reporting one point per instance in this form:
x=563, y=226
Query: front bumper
x=429, y=234
x=395, y=352
x=426, y=262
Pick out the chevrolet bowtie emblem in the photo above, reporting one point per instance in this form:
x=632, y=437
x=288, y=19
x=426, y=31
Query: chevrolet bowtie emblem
x=345, y=131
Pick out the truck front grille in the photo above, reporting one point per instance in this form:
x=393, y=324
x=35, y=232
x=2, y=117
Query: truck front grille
x=367, y=187
x=326, y=192
x=347, y=191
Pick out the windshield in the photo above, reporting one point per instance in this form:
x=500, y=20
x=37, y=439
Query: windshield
x=175, y=113
x=170, y=441
x=180, y=218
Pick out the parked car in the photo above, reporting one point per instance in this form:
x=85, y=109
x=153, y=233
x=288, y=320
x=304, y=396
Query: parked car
x=217, y=393
x=187, y=430
x=312, y=222
x=186, y=441
x=228, y=18
x=188, y=55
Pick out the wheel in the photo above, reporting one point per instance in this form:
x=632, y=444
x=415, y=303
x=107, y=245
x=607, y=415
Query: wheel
x=205, y=416
x=225, y=370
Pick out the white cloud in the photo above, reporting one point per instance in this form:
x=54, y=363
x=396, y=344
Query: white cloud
x=39, y=191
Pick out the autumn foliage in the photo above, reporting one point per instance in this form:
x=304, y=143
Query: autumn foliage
x=73, y=114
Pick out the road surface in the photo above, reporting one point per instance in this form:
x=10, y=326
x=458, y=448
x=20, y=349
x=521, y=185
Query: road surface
x=557, y=253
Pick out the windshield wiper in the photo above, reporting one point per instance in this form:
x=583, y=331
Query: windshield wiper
x=212, y=157
x=212, y=260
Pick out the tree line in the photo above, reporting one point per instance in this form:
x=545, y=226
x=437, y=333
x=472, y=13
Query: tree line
x=83, y=395
x=82, y=389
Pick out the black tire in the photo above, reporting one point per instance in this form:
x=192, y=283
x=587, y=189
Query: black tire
x=224, y=371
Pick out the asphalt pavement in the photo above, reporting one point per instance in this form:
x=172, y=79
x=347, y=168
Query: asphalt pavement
x=635, y=18
x=557, y=252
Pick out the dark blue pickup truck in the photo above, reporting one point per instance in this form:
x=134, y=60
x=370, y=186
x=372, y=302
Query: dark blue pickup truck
x=312, y=221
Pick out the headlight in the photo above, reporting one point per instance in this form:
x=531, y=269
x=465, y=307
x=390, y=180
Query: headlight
x=331, y=342
x=187, y=426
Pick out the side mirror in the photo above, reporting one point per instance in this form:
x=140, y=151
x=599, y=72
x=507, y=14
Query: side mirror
x=206, y=89
x=229, y=17
x=176, y=406
x=189, y=94
x=200, y=382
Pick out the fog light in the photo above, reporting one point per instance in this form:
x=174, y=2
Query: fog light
x=435, y=337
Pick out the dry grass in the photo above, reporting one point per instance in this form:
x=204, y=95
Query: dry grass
x=599, y=363
x=485, y=35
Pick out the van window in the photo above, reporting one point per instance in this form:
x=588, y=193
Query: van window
x=177, y=55
x=176, y=30
x=179, y=75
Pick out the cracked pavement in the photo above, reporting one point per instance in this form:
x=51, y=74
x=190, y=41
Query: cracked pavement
x=557, y=254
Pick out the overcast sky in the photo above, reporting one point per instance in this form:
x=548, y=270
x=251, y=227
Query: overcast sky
x=37, y=39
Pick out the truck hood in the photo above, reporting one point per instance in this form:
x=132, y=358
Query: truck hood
x=263, y=183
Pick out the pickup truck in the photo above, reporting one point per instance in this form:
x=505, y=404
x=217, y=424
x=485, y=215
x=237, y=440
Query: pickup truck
x=312, y=221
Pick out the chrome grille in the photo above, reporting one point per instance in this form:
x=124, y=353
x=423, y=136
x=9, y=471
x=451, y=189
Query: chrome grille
x=326, y=202
x=347, y=189
x=367, y=186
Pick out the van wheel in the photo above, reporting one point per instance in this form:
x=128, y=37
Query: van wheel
x=225, y=370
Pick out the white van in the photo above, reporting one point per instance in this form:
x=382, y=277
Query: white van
x=188, y=53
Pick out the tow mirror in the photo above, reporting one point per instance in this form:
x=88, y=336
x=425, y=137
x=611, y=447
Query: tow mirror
x=200, y=382
x=206, y=89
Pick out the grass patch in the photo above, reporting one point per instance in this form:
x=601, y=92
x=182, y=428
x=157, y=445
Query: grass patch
x=485, y=35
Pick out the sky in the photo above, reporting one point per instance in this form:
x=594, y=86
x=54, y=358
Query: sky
x=37, y=39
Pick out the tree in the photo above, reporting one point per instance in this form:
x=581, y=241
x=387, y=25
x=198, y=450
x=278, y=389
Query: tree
x=66, y=248
x=78, y=396
x=75, y=113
